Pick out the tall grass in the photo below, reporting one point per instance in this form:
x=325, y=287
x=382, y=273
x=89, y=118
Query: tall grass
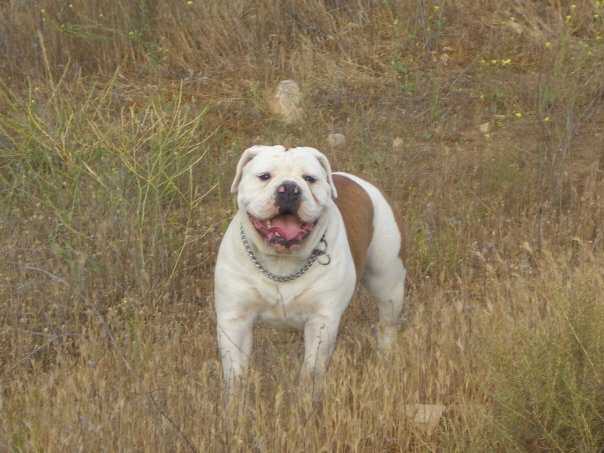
x=547, y=381
x=104, y=196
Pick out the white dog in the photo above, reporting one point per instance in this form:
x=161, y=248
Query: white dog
x=294, y=252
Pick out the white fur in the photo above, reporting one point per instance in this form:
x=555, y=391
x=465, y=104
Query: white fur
x=315, y=301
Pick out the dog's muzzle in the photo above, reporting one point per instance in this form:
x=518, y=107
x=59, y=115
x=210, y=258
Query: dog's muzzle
x=288, y=197
x=285, y=231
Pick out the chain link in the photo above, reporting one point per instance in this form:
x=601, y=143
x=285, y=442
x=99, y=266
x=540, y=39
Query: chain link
x=316, y=253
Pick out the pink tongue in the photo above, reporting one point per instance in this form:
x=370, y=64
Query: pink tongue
x=287, y=226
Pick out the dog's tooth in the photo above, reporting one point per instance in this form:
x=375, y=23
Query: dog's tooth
x=269, y=223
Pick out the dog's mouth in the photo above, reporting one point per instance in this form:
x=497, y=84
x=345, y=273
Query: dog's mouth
x=284, y=231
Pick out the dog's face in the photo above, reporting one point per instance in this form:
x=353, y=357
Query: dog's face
x=284, y=193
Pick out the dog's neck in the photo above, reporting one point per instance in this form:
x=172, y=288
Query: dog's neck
x=282, y=263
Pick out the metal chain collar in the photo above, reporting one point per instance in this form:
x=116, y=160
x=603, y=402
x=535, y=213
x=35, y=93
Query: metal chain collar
x=315, y=254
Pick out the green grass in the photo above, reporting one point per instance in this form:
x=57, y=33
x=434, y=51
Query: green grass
x=547, y=382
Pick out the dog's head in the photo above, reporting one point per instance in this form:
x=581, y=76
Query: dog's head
x=283, y=193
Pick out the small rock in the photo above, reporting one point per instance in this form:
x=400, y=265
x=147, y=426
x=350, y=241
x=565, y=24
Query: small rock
x=515, y=26
x=485, y=128
x=336, y=140
x=286, y=101
x=397, y=143
x=425, y=416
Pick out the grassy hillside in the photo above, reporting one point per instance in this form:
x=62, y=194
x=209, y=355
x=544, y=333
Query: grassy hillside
x=120, y=125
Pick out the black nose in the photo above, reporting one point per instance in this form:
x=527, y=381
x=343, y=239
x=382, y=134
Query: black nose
x=288, y=197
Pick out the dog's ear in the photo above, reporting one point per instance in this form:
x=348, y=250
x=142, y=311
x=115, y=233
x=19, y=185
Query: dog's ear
x=247, y=155
x=325, y=164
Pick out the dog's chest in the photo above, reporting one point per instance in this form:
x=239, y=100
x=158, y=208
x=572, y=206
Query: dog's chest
x=284, y=305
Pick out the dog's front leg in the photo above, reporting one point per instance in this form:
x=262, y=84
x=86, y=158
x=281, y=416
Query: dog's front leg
x=320, y=333
x=235, y=337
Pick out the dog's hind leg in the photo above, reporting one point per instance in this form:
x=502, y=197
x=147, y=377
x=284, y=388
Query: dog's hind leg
x=384, y=275
x=384, y=272
x=386, y=283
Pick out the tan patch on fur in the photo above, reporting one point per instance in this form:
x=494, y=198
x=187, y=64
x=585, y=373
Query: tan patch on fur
x=357, y=211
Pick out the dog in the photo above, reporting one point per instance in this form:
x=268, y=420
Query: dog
x=301, y=240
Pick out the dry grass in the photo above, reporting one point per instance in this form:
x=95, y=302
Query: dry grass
x=119, y=127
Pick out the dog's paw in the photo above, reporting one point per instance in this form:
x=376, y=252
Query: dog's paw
x=386, y=337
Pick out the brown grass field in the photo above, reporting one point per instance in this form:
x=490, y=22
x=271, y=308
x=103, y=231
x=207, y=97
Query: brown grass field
x=120, y=124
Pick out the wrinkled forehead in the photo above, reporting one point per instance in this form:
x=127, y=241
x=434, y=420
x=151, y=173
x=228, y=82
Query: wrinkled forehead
x=286, y=162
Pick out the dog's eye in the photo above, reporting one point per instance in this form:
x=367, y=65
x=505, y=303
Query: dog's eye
x=309, y=179
x=264, y=176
